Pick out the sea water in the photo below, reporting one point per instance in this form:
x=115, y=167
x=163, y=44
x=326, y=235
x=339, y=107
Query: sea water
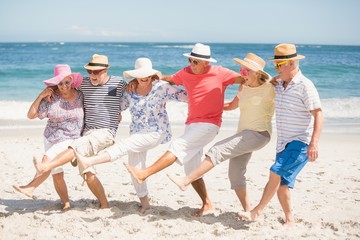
x=335, y=71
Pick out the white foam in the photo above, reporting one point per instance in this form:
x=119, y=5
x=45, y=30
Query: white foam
x=336, y=111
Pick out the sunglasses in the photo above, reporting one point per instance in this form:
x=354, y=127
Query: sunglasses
x=196, y=62
x=278, y=65
x=95, y=72
x=67, y=83
x=245, y=72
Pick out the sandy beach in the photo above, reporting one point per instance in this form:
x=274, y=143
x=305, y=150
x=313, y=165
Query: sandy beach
x=326, y=198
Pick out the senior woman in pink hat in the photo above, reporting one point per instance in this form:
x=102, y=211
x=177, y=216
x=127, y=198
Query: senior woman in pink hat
x=149, y=122
x=62, y=104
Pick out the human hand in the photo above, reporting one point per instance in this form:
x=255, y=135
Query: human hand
x=132, y=85
x=47, y=94
x=312, y=152
x=274, y=81
x=120, y=117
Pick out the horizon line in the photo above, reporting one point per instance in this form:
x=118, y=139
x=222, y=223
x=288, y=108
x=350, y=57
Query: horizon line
x=173, y=42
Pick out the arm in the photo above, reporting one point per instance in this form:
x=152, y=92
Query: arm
x=119, y=117
x=274, y=81
x=232, y=105
x=313, y=149
x=33, y=110
x=168, y=78
x=132, y=85
x=239, y=80
x=173, y=93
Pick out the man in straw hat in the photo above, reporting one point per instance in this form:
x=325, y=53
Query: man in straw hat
x=205, y=85
x=299, y=122
x=102, y=94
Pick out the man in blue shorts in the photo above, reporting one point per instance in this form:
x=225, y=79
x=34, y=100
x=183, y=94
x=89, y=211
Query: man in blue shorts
x=299, y=122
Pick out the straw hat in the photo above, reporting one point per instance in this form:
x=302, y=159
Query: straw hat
x=143, y=68
x=97, y=62
x=60, y=72
x=286, y=51
x=201, y=52
x=253, y=62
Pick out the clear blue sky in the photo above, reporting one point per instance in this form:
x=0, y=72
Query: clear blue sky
x=235, y=21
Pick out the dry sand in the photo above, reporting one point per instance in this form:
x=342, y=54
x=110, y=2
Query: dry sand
x=326, y=198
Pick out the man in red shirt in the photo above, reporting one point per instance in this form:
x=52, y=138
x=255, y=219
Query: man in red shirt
x=205, y=85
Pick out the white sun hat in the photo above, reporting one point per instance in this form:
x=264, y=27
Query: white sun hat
x=201, y=52
x=143, y=68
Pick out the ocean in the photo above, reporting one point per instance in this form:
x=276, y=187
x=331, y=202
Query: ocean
x=335, y=71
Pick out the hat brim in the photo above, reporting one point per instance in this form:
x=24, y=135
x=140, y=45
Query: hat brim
x=95, y=67
x=188, y=55
x=76, y=80
x=298, y=57
x=250, y=66
x=141, y=73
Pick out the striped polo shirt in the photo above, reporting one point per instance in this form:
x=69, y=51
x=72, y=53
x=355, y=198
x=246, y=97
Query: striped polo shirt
x=294, y=120
x=102, y=103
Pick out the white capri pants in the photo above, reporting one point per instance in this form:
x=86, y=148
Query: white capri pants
x=238, y=148
x=51, y=150
x=189, y=147
x=136, y=147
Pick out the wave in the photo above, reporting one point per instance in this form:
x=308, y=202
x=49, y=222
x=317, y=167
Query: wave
x=175, y=46
x=334, y=108
x=341, y=108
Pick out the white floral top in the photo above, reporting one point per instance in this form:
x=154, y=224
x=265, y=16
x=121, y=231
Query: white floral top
x=148, y=113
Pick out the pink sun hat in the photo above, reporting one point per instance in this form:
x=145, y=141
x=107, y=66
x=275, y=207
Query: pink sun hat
x=60, y=72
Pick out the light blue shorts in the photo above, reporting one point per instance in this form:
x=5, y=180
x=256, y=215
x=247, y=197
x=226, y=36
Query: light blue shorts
x=290, y=161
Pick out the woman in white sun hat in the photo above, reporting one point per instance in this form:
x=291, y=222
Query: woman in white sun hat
x=255, y=99
x=149, y=122
x=62, y=104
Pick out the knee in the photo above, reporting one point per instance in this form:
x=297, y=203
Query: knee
x=239, y=183
x=237, y=180
x=90, y=177
x=58, y=177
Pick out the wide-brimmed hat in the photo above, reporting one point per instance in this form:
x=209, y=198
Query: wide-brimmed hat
x=143, y=68
x=286, y=51
x=201, y=52
x=61, y=71
x=97, y=62
x=253, y=62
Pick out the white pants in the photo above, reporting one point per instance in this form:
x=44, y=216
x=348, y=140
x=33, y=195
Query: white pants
x=189, y=147
x=51, y=150
x=136, y=147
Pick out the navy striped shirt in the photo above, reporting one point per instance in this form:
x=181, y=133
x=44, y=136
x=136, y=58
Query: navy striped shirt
x=294, y=120
x=102, y=103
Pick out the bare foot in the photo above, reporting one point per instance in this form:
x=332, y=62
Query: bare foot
x=104, y=206
x=145, y=204
x=248, y=216
x=66, y=207
x=136, y=173
x=206, y=208
x=40, y=168
x=179, y=181
x=82, y=163
x=27, y=191
x=289, y=223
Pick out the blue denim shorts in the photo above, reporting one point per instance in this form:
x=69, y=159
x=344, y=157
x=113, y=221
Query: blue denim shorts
x=290, y=161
